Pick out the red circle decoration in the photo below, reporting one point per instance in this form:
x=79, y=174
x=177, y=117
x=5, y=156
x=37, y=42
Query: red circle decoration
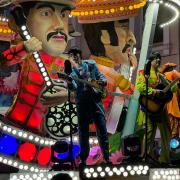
x=27, y=152
x=44, y=156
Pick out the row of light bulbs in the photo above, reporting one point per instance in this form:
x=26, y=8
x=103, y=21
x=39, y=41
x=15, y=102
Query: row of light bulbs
x=38, y=60
x=37, y=139
x=172, y=8
x=169, y=174
x=175, y=17
x=117, y=171
x=6, y=31
x=21, y=165
x=108, y=11
x=41, y=176
x=3, y=19
x=26, y=135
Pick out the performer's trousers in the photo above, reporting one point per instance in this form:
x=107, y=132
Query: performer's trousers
x=89, y=110
x=162, y=122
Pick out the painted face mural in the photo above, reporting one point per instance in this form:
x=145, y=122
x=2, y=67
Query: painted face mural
x=49, y=24
x=47, y=21
x=113, y=52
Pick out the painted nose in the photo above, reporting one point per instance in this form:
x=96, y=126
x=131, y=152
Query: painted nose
x=58, y=23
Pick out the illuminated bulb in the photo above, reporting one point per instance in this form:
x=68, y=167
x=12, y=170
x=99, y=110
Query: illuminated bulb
x=36, y=139
x=21, y=166
x=88, y=175
x=86, y=170
x=91, y=170
x=110, y=173
x=102, y=174
x=5, y=128
x=135, y=168
x=21, y=176
x=15, y=164
x=96, y=141
x=91, y=12
x=31, y=137
x=146, y=168
x=14, y=131
x=107, y=11
x=36, y=55
x=86, y=13
x=112, y=10
x=121, y=169
x=101, y=11
x=90, y=140
x=107, y=169
x=96, y=12
x=129, y=168
x=44, y=73
x=132, y=172
x=25, y=167
x=9, y=129
x=125, y=174
x=99, y=169
x=48, y=83
x=10, y=162
x=20, y=133
x=46, y=78
x=40, y=65
x=28, y=37
x=42, y=69
x=23, y=28
x=42, y=141
x=25, y=33
x=95, y=175
x=25, y=135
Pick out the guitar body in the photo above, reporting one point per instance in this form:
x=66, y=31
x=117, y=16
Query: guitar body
x=156, y=103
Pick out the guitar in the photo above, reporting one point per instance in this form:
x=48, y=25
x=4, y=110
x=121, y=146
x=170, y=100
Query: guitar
x=156, y=103
x=97, y=88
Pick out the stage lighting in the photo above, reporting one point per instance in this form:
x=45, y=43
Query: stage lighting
x=131, y=146
x=61, y=155
x=175, y=143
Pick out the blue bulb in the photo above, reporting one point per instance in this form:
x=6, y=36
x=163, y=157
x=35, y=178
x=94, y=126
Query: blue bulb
x=8, y=145
x=174, y=143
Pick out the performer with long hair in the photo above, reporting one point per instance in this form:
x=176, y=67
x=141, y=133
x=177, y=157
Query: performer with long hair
x=157, y=118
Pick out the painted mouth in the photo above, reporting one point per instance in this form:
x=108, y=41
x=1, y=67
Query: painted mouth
x=58, y=37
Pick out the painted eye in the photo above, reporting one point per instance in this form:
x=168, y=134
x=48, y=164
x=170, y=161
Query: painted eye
x=64, y=14
x=46, y=13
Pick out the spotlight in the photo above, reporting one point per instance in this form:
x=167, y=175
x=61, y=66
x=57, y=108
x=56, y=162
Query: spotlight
x=60, y=155
x=131, y=147
x=175, y=143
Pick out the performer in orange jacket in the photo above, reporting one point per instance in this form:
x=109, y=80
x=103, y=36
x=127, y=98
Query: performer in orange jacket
x=173, y=107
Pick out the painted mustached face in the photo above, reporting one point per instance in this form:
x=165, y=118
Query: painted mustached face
x=49, y=24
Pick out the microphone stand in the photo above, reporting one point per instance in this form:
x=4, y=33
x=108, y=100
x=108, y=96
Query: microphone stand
x=73, y=165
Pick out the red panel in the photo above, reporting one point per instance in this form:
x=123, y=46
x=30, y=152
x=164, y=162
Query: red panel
x=44, y=156
x=20, y=112
x=27, y=152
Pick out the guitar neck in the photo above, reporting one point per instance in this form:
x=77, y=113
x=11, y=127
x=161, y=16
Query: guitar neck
x=85, y=82
x=167, y=88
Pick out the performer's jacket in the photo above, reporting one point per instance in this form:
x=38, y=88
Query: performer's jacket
x=87, y=71
x=154, y=80
x=27, y=109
